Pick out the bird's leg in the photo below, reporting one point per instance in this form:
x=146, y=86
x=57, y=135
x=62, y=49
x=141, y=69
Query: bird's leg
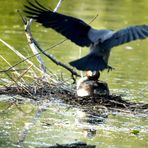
x=109, y=68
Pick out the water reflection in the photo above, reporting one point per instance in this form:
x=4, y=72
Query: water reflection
x=130, y=65
x=59, y=123
x=54, y=122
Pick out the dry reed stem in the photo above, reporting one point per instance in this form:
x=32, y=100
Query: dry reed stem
x=19, y=55
x=41, y=107
x=18, y=74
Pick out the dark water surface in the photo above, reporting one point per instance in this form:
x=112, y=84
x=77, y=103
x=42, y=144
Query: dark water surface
x=129, y=77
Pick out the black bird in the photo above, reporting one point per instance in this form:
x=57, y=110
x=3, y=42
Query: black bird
x=82, y=34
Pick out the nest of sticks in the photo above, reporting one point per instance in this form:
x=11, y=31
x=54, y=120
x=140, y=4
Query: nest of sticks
x=67, y=94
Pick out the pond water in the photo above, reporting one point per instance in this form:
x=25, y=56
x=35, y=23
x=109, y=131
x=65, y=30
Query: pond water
x=58, y=124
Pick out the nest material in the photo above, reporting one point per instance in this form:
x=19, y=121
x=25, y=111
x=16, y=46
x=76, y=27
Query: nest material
x=68, y=95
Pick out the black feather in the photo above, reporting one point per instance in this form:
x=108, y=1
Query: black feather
x=89, y=62
x=72, y=28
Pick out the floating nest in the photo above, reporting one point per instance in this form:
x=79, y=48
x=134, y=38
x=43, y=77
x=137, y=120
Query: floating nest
x=66, y=92
x=95, y=107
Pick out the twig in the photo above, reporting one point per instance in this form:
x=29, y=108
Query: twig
x=13, y=68
x=93, y=19
x=18, y=86
x=55, y=45
x=11, y=78
x=33, y=47
x=31, y=44
x=22, y=74
x=58, y=5
x=55, y=61
x=20, y=55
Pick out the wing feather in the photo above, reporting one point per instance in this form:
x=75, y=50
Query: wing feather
x=126, y=35
x=72, y=28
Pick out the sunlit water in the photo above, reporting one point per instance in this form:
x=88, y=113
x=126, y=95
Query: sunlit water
x=58, y=124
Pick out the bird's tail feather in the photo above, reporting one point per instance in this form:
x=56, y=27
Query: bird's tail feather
x=89, y=62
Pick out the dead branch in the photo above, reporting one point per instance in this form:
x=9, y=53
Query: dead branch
x=58, y=5
x=33, y=44
x=53, y=59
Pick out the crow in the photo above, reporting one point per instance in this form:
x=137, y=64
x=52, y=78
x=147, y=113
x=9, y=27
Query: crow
x=100, y=41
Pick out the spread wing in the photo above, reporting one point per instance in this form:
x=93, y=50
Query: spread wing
x=72, y=28
x=126, y=35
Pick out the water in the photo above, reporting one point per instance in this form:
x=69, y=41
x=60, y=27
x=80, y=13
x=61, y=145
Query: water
x=57, y=124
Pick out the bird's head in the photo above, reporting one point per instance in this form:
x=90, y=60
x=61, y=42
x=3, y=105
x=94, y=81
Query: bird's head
x=93, y=75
